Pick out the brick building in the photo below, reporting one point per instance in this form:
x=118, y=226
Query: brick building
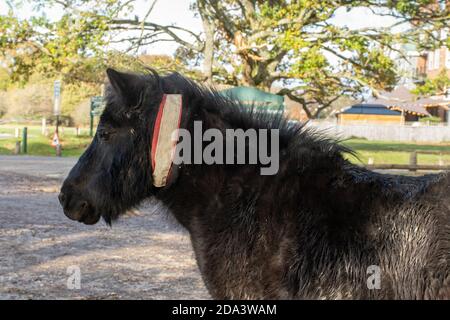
x=435, y=61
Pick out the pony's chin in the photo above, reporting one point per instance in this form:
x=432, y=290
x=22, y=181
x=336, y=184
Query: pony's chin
x=90, y=219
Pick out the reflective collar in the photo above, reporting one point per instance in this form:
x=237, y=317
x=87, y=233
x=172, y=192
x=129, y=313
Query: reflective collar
x=165, y=137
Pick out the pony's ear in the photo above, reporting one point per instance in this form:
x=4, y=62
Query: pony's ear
x=126, y=85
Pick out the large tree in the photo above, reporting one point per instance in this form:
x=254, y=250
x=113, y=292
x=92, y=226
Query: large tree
x=244, y=42
x=74, y=40
x=292, y=42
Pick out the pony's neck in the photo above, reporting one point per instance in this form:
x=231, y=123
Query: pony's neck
x=306, y=161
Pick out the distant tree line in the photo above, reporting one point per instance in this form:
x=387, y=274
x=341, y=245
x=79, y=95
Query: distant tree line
x=243, y=42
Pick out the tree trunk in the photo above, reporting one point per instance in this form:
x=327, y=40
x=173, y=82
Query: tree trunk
x=208, y=50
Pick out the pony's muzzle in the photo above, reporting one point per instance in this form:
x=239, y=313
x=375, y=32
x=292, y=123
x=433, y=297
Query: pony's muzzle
x=77, y=208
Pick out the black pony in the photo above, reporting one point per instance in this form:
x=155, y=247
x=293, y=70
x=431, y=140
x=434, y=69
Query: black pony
x=321, y=228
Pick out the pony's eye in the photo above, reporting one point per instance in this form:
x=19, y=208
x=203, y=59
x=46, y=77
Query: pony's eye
x=104, y=135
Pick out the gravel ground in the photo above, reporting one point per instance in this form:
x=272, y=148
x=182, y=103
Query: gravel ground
x=143, y=256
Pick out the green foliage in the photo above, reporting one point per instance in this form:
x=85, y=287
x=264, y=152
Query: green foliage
x=293, y=41
x=430, y=120
x=142, y=63
x=30, y=102
x=5, y=79
x=35, y=98
x=56, y=46
x=74, y=94
x=435, y=86
x=255, y=43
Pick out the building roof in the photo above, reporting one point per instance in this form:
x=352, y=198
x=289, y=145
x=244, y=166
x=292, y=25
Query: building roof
x=433, y=102
x=400, y=94
x=401, y=99
x=413, y=108
x=366, y=108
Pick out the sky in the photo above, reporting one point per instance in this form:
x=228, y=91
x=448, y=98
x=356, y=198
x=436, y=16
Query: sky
x=177, y=12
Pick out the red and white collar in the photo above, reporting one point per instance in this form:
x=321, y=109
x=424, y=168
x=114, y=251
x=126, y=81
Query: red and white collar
x=165, y=137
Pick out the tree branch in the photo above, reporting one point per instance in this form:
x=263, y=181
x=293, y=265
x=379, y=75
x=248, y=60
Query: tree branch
x=136, y=25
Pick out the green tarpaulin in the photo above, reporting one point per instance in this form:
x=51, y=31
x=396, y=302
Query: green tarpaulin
x=255, y=97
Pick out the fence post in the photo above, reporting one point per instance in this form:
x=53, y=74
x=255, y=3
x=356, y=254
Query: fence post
x=58, y=150
x=44, y=126
x=24, y=139
x=17, y=148
x=91, y=126
x=16, y=132
x=413, y=161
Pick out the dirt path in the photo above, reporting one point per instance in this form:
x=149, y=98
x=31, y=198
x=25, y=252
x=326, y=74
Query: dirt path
x=141, y=257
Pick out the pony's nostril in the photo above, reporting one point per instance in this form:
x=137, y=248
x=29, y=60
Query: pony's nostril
x=83, y=204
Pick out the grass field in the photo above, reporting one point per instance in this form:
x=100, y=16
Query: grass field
x=382, y=152
x=40, y=145
x=394, y=152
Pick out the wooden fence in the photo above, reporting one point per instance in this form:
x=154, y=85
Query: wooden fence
x=392, y=132
x=413, y=165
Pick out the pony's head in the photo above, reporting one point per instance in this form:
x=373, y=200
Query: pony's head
x=115, y=172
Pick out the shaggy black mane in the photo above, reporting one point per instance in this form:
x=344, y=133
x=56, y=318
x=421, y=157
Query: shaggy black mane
x=250, y=117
